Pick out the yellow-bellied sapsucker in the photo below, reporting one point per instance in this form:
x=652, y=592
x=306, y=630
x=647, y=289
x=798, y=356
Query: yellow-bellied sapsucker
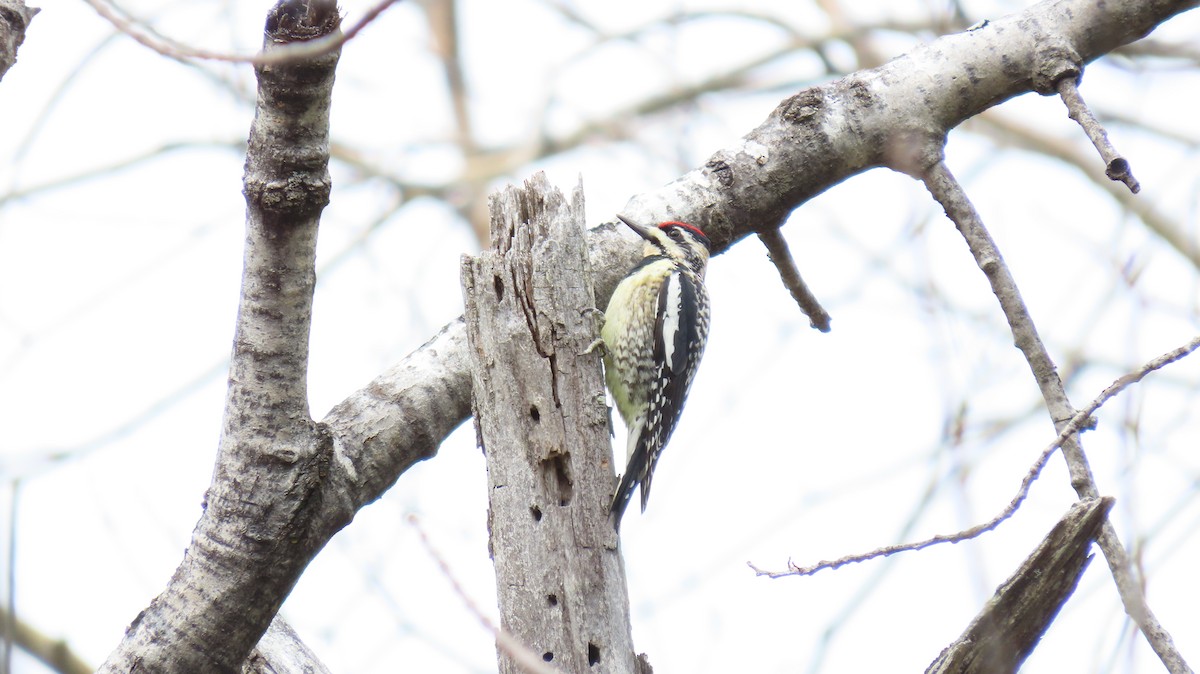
x=654, y=333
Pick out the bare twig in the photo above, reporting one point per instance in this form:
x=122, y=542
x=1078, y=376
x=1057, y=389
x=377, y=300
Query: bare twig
x=1186, y=50
x=1172, y=233
x=946, y=190
x=1082, y=420
x=10, y=575
x=55, y=654
x=146, y=36
x=777, y=248
x=62, y=181
x=443, y=28
x=516, y=650
x=1116, y=167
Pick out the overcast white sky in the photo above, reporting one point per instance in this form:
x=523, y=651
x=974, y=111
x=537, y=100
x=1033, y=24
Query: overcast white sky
x=118, y=294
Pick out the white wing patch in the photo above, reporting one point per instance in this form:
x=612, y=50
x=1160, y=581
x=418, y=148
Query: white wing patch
x=670, y=326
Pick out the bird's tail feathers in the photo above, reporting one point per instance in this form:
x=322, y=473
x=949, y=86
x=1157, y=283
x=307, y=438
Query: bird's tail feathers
x=621, y=498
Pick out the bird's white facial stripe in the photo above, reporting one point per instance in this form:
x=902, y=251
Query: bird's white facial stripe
x=671, y=317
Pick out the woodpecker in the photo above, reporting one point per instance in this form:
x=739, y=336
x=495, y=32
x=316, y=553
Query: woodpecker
x=654, y=332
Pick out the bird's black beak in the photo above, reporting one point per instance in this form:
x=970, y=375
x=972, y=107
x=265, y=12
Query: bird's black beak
x=642, y=231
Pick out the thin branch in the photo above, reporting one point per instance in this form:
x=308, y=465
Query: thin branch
x=516, y=650
x=1144, y=122
x=55, y=654
x=789, y=273
x=1150, y=47
x=10, y=573
x=1000, y=127
x=738, y=77
x=946, y=190
x=1116, y=167
x=117, y=165
x=443, y=27
x=1081, y=421
x=146, y=36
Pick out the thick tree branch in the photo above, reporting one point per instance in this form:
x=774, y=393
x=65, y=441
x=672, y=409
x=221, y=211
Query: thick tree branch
x=826, y=134
x=253, y=539
x=871, y=118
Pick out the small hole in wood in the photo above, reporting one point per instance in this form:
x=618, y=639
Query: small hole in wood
x=535, y=414
x=593, y=654
x=498, y=284
x=552, y=599
x=536, y=512
x=556, y=475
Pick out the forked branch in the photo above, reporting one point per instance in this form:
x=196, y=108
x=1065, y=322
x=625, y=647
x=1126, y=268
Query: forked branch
x=947, y=191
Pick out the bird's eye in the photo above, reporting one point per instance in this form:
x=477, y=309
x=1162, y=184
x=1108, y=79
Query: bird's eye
x=674, y=234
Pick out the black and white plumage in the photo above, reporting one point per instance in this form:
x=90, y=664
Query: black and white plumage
x=655, y=329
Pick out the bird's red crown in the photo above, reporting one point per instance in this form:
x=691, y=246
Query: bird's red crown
x=691, y=228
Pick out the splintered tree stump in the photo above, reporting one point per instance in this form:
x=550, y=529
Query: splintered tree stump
x=542, y=422
x=1012, y=622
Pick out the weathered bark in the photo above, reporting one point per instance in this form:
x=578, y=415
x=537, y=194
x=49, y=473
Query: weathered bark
x=1013, y=621
x=824, y=135
x=877, y=117
x=14, y=20
x=542, y=421
x=255, y=536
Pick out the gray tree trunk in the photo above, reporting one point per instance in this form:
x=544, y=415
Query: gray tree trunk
x=263, y=511
x=542, y=421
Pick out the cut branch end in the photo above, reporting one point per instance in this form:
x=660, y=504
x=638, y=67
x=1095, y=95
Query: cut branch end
x=1116, y=166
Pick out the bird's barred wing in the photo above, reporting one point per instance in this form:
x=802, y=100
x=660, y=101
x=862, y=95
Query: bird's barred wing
x=677, y=328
